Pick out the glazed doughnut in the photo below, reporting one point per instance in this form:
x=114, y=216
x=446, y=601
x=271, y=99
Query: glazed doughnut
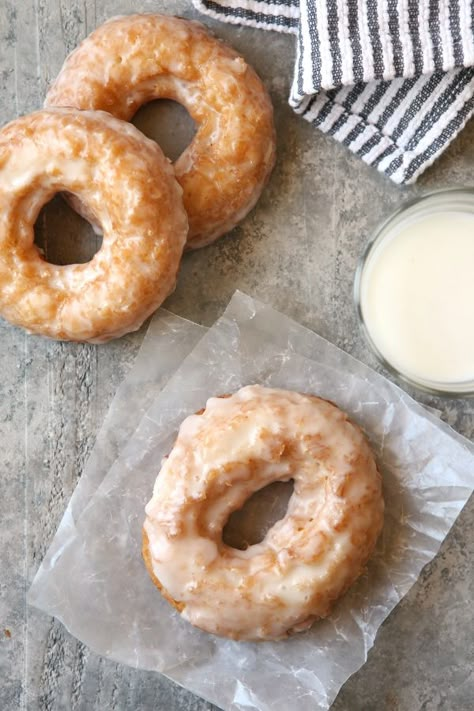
x=238, y=445
x=132, y=60
x=127, y=184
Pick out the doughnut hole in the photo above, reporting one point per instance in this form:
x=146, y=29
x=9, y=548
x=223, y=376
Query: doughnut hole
x=167, y=123
x=63, y=236
x=249, y=524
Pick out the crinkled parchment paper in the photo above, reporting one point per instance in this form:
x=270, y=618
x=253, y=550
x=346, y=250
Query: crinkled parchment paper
x=96, y=582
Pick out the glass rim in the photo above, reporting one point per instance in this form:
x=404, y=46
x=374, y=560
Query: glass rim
x=465, y=389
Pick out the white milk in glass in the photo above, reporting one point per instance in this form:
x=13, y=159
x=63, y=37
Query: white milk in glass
x=417, y=296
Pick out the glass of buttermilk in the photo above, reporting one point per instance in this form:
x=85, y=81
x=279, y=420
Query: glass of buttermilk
x=414, y=292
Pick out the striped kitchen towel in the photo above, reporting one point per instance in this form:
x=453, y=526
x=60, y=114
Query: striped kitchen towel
x=393, y=80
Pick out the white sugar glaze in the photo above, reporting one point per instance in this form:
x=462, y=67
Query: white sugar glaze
x=131, y=60
x=126, y=182
x=240, y=444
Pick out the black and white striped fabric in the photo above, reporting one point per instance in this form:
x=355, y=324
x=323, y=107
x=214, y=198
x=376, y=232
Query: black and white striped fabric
x=393, y=80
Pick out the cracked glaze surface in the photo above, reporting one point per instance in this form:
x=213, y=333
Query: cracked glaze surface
x=132, y=60
x=307, y=559
x=126, y=182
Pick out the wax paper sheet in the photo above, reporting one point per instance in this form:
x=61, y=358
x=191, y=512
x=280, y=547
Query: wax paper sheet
x=97, y=584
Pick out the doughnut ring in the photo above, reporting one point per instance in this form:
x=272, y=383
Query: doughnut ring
x=132, y=60
x=127, y=184
x=236, y=446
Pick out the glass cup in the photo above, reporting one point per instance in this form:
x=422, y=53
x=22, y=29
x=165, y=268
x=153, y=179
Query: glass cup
x=458, y=203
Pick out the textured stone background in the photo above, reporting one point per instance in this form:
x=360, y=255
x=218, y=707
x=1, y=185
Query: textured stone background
x=298, y=251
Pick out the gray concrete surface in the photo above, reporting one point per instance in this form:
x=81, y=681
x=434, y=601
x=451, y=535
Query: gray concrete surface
x=298, y=251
